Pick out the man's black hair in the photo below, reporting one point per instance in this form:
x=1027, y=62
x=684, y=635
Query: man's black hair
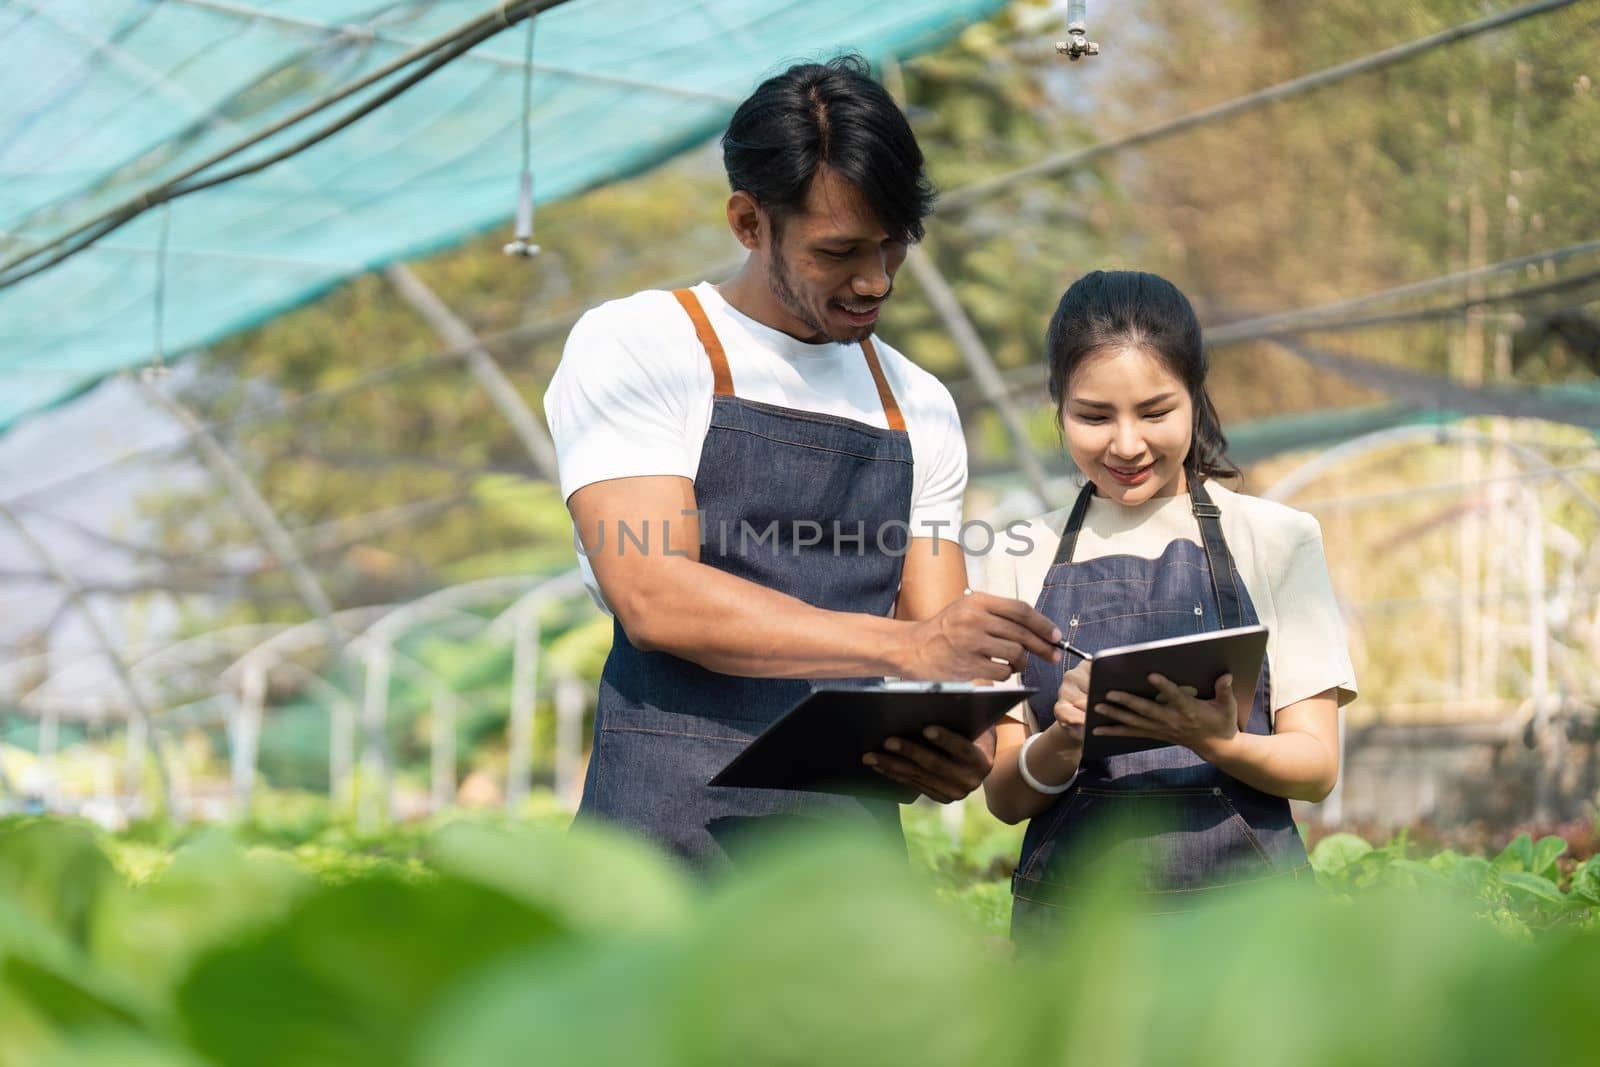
x=828, y=114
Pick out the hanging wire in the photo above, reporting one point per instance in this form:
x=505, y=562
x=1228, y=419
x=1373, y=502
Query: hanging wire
x=522, y=239
x=158, y=359
x=431, y=55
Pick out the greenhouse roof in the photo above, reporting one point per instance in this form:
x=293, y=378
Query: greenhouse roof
x=102, y=101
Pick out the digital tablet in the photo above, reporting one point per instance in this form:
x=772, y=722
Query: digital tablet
x=817, y=745
x=1196, y=660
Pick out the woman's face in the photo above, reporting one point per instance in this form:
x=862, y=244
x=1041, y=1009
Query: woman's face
x=1128, y=422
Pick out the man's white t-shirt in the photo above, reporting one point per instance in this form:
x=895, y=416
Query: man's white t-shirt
x=1277, y=550
x=633, y=397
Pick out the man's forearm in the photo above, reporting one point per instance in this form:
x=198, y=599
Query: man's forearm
x=734, y=626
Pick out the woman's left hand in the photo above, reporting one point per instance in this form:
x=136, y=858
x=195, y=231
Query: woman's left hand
x=1177, y=716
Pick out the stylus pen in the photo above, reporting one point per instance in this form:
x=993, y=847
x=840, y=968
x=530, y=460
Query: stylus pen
x=1073, y=649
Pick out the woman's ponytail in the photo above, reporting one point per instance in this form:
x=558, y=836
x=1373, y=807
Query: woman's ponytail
x=1208, y=453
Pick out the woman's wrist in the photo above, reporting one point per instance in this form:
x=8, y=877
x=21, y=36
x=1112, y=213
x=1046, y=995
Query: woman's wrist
x=1221, y=750
x=1057, y=753
x=1047, y=785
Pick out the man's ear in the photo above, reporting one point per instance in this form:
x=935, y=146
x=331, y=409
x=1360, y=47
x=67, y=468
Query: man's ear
x=748, y=221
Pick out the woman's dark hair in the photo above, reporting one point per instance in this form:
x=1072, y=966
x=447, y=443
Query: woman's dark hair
x=1111, y=309
x=833, y=114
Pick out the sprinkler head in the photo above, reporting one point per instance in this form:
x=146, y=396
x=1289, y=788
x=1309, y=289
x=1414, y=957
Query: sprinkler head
x=1077, y=45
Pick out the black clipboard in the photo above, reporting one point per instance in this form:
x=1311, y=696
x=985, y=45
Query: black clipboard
x=1196, y=660
x=817, y=745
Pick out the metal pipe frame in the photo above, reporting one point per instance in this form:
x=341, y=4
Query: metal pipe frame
x=136, y=703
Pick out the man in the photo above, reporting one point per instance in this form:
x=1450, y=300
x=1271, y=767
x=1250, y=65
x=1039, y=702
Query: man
x=764, y=494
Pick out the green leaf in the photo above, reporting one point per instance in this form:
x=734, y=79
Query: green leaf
x=830, y=953
x=1415, y=873
x=577, y=875
x=1451, y=860
x=118, y=1049
x=583, y=1004
x=1543, y=856
x=212, y=891
x=49, y=990
x=62, y=998
x=1533, y=885
x=346, y=976
x=1586, y=881
x=1335, y=853
x=1517, y=855
x=55, y=870
x=1399, y=845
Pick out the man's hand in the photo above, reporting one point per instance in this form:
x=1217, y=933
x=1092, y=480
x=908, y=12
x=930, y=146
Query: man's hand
x=943, y=767
x=979, y=636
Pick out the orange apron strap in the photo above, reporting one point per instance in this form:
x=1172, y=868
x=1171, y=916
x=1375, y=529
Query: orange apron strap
x=722, y=381
x=891, y=410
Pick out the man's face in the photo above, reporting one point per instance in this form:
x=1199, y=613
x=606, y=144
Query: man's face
x=832, y=265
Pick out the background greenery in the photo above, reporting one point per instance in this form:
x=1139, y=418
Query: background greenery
x=475, y=940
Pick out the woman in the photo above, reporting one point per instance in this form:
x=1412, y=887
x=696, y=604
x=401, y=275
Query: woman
x=1154, y=548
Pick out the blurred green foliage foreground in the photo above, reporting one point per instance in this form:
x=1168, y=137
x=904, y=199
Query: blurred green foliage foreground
x=480, y=941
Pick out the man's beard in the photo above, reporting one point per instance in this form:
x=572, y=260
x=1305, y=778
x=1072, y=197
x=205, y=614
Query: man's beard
x=778, y=281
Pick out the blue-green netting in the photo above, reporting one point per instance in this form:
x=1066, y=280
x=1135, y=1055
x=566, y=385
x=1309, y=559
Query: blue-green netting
x=101, y=98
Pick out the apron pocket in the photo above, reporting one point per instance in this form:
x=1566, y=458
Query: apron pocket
x=655, y=782
x=648, y=720
x=1132, y=622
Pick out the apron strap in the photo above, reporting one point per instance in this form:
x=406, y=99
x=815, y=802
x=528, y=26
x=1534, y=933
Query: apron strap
x=1069, y=536
x=1223, y=583
x=891, y=410
x=722, y=380
x=1209, y=517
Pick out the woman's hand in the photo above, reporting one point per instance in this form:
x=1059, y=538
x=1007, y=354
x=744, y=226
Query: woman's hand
x=1177, y=716
x=1072, y=700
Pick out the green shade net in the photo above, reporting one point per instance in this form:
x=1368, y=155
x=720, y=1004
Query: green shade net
x=101, y=99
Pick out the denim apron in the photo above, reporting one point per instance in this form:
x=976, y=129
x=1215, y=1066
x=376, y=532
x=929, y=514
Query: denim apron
x=1178, y=826
x=809, y=504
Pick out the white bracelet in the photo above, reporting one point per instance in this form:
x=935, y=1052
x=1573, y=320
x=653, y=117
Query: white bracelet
x=1034, y=783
